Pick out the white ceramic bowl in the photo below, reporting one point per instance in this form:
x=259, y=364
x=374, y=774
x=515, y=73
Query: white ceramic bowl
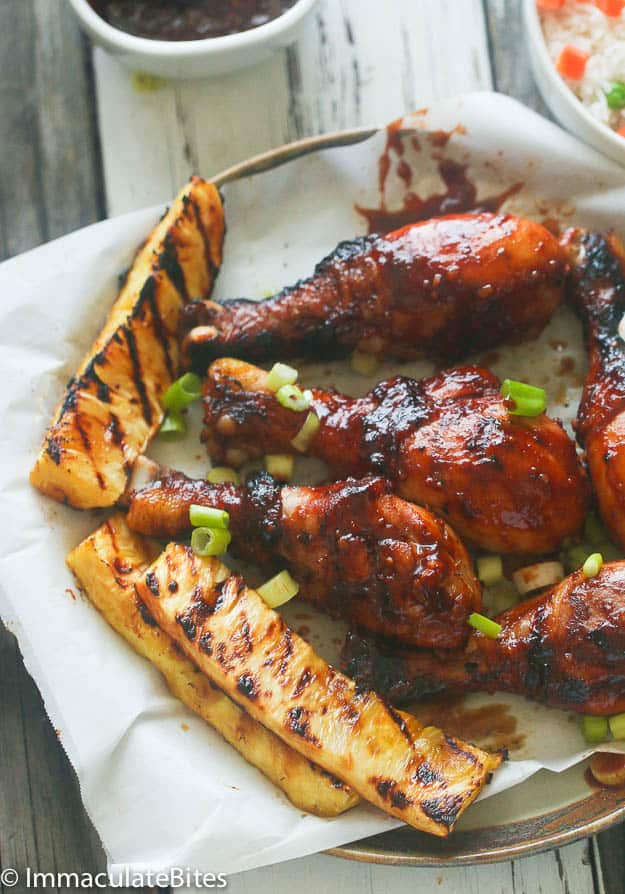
x=561, y=100
x=193, y=58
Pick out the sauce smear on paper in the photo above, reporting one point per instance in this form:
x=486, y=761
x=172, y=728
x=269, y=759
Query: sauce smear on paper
x=458, y=197
x=491, y=726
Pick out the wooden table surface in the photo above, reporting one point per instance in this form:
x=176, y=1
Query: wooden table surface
x=79, y=142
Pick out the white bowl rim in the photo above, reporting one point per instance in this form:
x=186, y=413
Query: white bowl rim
x=536, y=34
x=189, y=48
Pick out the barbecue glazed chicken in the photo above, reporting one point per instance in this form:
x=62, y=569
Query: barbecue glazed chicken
x=357, y=551
x=565, y=647
x=444, y=287
x=597, y=290
x=507, y=483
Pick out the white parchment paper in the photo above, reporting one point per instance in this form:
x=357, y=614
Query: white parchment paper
x=161, y=787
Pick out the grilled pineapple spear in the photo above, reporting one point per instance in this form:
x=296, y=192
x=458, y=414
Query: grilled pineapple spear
x=416, y=773
x=106, y=565
x=112, y=406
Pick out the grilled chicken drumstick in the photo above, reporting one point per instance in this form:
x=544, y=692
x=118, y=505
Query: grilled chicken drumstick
x=508, y=483
x=358, y=551
x=565, y=647
x=443, y=287
x=597, y=290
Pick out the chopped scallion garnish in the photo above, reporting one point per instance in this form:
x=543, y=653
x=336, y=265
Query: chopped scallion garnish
x=293, y=398
x=279, y=375
x=592, y=565
x=485, y=625
x=522, y=399
x=594, y=729
x=210, y=541
x=208, y=516
x=489, y=570
x=307, y=432
x=279, y=589
x=173, y=427
x=280, y=465
x=617, y=726
x=364, y=364
x=182, y=393
x=223, y=474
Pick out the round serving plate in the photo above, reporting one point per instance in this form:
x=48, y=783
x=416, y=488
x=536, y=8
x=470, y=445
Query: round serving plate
x=546, y=811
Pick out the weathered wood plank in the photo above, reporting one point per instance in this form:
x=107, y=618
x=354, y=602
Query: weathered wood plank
x=49, y=167
x=509, y=57
x=568, y=870
x=42, y=821
x=22, y=218
x=50, y=183
x=355, y=64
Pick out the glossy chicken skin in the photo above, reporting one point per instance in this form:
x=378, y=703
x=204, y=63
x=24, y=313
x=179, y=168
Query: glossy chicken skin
x=443, y=287
x=507, y=483
x=356, y=550
x=597, y=290
x=565, y=648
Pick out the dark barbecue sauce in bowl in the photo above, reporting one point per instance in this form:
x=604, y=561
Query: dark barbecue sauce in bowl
x=188, y=19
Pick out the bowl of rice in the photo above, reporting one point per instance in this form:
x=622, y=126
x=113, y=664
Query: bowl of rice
x=577, y=51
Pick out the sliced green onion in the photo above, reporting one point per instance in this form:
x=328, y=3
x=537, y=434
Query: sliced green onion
x=489, y=570
x=365, y=364
x=485, y=625
x=279, y=375
x=183, y=392
x=592, y=565
x=280, y=465
x=528, y=400
x=293, y=398
x=208, y=517
x=173, y=427
x=594, y=729
x=307, y=432
x=222, y=474
x=210, y=541
x=616, y=95
x=279, y=589
x=617, y=726
x=594, y=532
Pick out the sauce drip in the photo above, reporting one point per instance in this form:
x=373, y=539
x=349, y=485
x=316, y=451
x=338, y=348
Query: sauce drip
x=490, y=726
x=458, y=197
x=188, y=19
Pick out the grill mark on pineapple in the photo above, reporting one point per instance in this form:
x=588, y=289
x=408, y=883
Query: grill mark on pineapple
x=400, y=723
x=54, y=449
x=388, y=790
x=455, y=746
x=84, y=437
x=116, y=430
x=298, y=722
x=148, y=293
x=137, y=375
x=168, y=261
x=208, y=255
x=248, y=686
x=151, y=582
x=444, y=810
